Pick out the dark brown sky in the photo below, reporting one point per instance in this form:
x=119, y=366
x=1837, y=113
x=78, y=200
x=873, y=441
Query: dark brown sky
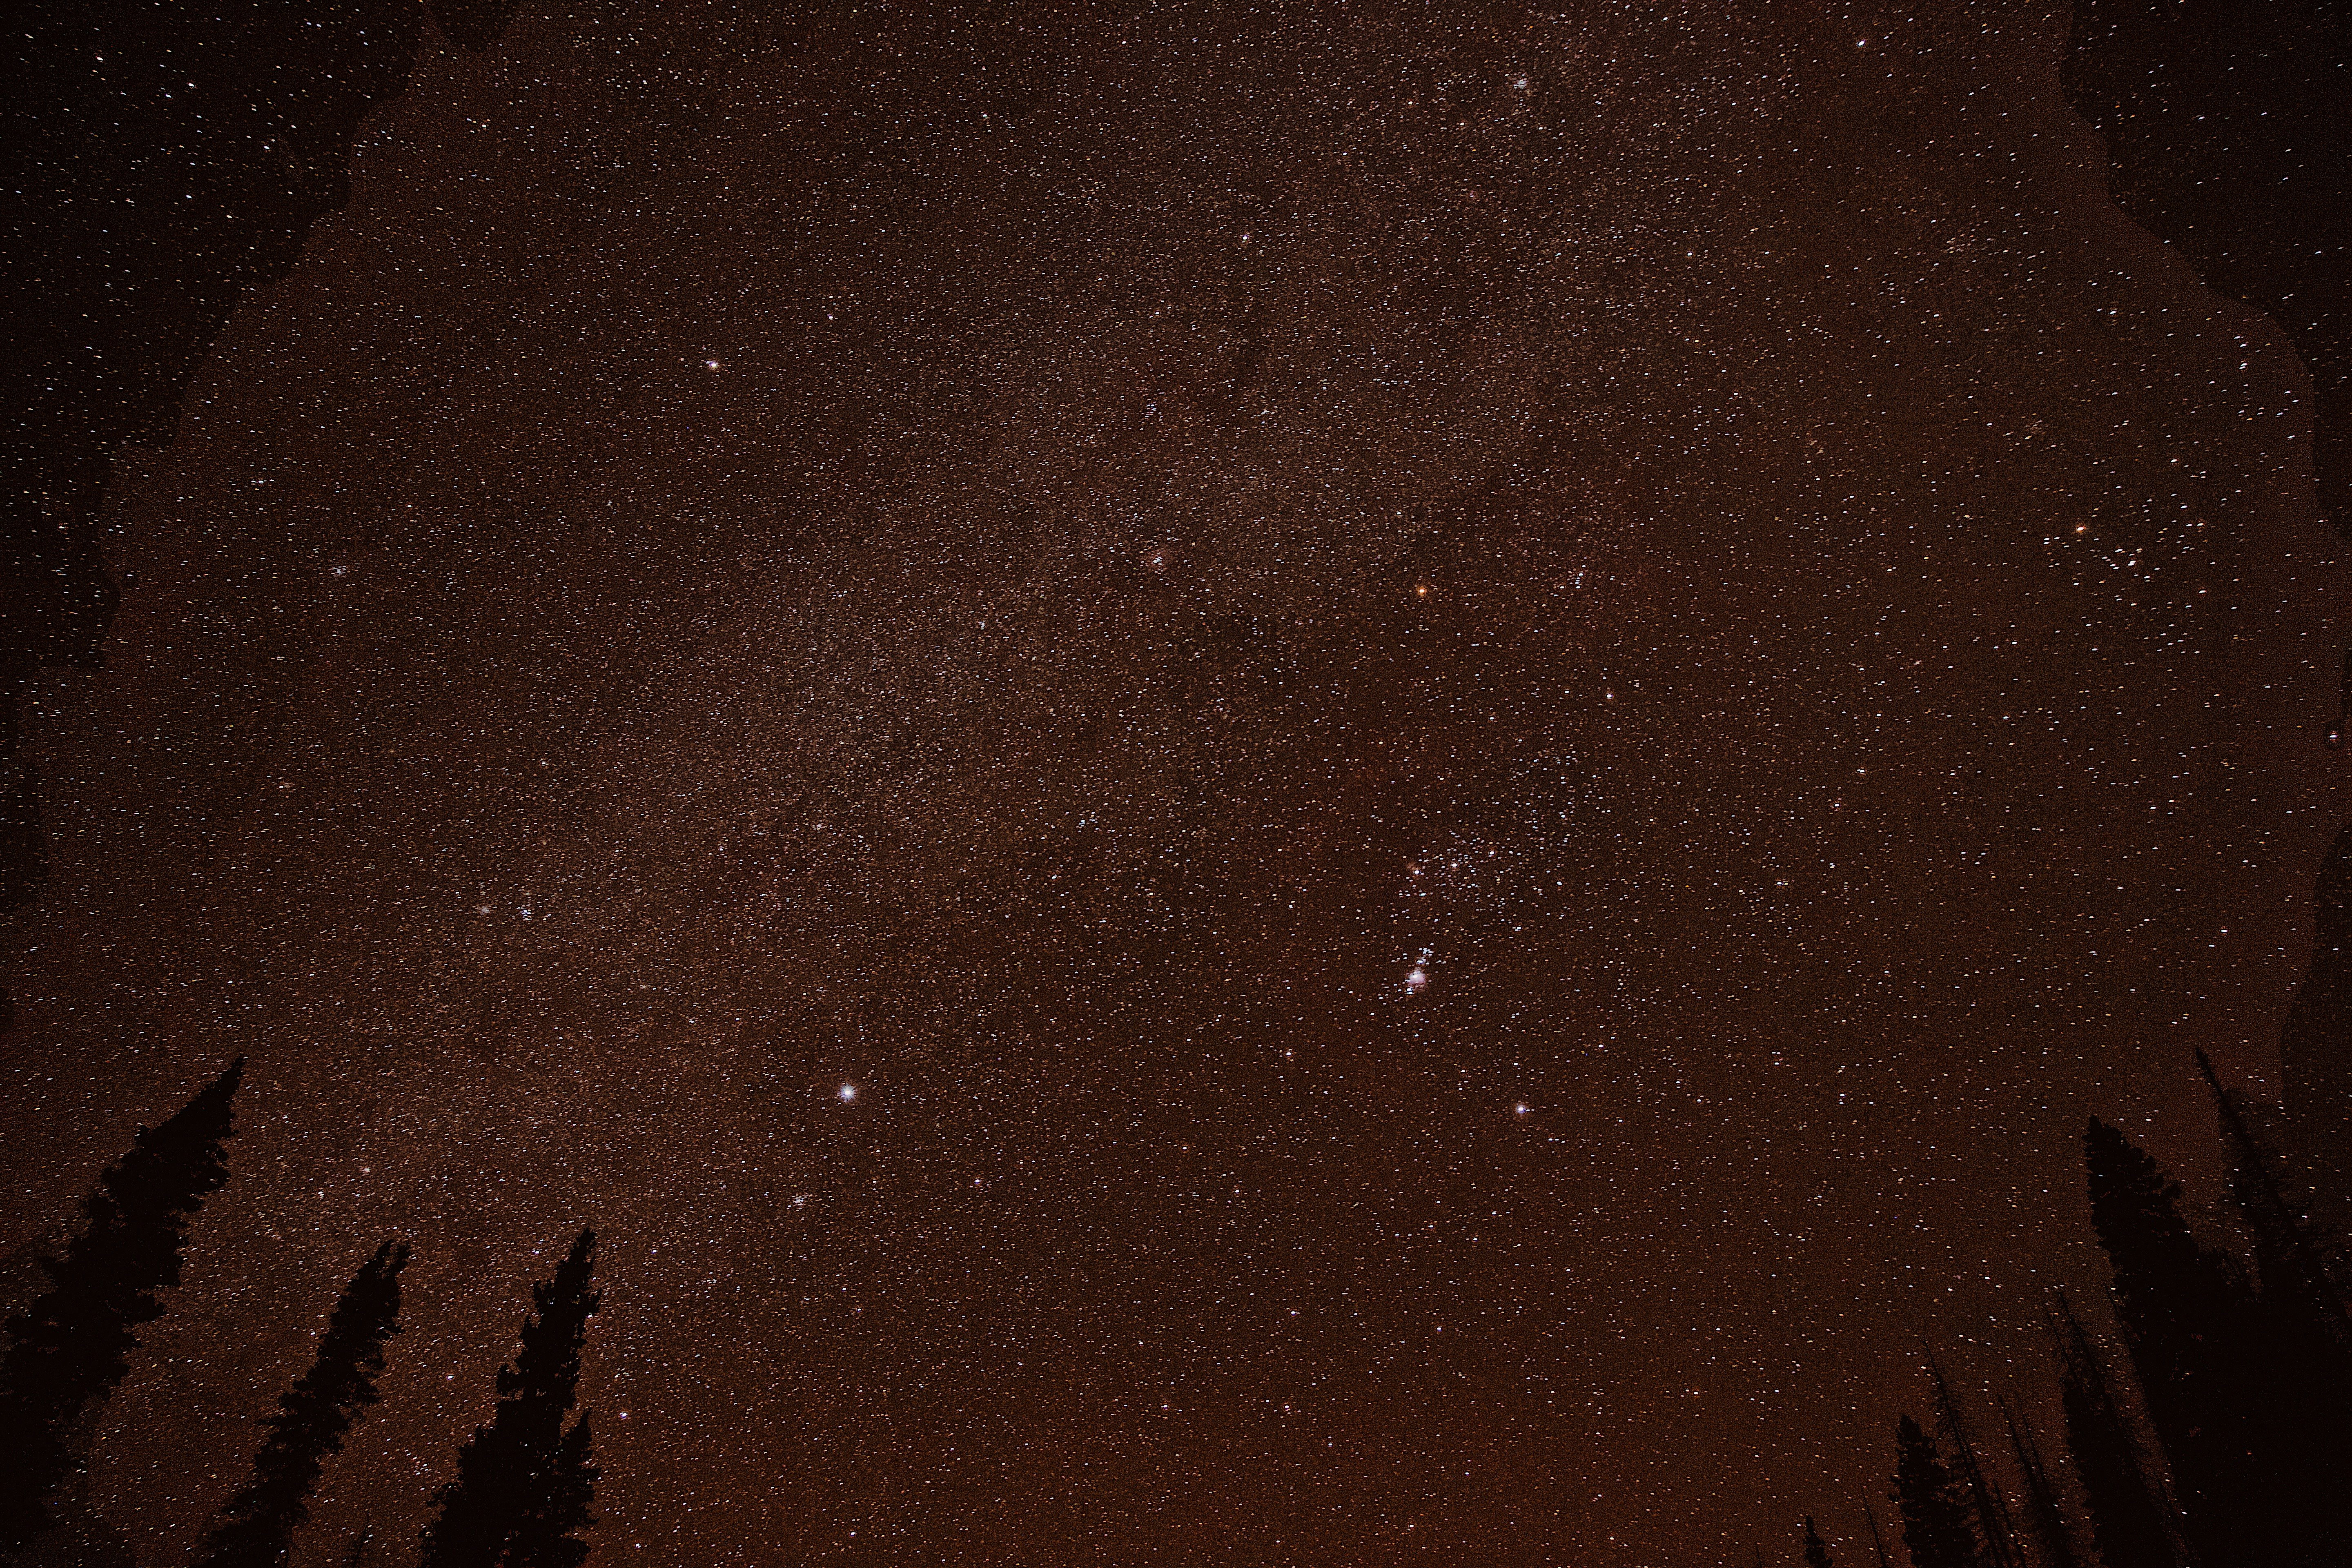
x=1039, y=572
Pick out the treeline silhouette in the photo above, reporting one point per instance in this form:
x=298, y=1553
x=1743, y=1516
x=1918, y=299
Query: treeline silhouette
x=523, y=1482
x=2222, y=1438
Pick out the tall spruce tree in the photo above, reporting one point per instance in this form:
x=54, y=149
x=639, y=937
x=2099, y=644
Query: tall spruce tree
x=1934, y=1503
x=2288, y=1257
x=524, y=1483
x=1997, y=1538
x=1817, y=1555
x=2306, y=1181
x=2299, y=1384
x=2192, y=1322
x=2316, y=1045
x=259, y=1521
x=2128, y=1528
x=550, y=1533
x=2045, y=1519
x=70, y=1349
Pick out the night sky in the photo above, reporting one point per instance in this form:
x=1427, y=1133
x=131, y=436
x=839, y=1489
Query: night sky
x=1237, y=786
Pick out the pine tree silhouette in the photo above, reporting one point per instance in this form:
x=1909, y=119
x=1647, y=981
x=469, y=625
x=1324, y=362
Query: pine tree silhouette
x=524, y=1483
x=550, y=1535
x=1995, y=1535
x=312, y=1419
x=1934, y=1502
x=1877, y=1542
x=2127, y=1513
x=2300, y=1386
x=2045, y=1520
x=1816, y=1554
x=2189, y=1319
x=2287, y=1258
x=68, y=1349
x=2315, y=1063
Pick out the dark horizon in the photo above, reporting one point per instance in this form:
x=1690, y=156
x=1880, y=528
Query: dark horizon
x=1276, y=785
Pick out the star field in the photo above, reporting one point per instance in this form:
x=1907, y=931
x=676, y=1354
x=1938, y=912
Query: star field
x=1234, y=784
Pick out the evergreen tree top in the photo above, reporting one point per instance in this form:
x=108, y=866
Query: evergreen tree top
x=69, y=1347
x=145, y=1197
x=2166, y=1283
x=524, y=1484
x=2135, y=1208
x=351, y=1352
x=550, y=1360
x=2289, y=1256
x=1936, y=1524
x=312, y=1419
x=172, y=1167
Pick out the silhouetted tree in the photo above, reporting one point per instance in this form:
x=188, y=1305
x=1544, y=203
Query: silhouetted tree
x=550, y=1535
x=524, y=1483
x=1877, y=1542
x=2192, y=1323
x=2299, y=1385
x=2315, y=1042
x=312, y=1420
x=1933, y=1503
x=68, y=1349
x=1994, y=1534
x=2124, y=1503
x=2304, y=1180
x=2288, y=1257
x=1816, y=1554
x=2045, y=1520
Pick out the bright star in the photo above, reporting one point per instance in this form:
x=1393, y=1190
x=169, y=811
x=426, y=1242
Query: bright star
x=849, y=1092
